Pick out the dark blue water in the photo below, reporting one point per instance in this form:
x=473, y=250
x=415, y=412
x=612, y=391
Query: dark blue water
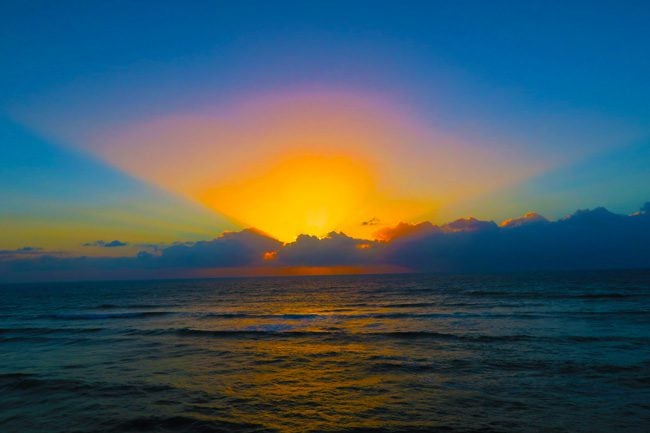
x=562, y=352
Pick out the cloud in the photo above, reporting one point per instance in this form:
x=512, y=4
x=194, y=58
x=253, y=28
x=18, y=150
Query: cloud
x=468, y=225
x=587, y=239
x=104, y=244
x=529, y=218
x=332, y=250
x=371, y=222
x=405, y=229
x=20, y=252
x=244, y=248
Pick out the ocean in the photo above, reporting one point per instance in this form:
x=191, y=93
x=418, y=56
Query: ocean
x=538, y=352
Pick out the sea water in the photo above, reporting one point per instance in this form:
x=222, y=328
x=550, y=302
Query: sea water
x=552, y=352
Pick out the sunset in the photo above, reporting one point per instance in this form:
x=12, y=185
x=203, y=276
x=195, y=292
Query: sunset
x=324, y=216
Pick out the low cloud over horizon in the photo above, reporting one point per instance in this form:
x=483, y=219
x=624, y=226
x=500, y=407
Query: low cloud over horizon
x=104, y=244
x=587, y=239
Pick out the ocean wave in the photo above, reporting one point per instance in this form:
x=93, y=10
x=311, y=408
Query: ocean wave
x=286, y=331
x=131, y=306
x=189, y=332
x=270, y=330
x=602, y=296
x=107, y=316
x=413, y=429
x=185, y=424
x=29, y=382
x=446, y=336
x=412, y=305
x=223, y=315
x=353, y=316
x=555, y=295
x=450, y=315
x=44, y=335
x=306, y=317
x=41, y=331
x=410, y=367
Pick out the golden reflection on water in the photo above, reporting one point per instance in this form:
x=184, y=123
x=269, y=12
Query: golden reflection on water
x=295, y=382
x=306, y=360
x=301, y=392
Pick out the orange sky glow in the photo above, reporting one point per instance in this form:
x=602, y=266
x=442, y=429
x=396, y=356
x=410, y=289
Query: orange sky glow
x=309, y=163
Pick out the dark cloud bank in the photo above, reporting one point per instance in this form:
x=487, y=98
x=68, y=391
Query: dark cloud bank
x=588, y=239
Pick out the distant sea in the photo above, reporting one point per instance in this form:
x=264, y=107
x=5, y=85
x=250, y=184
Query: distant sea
x=546, y=352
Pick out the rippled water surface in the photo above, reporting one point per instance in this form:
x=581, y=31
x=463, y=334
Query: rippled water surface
x=560, y=352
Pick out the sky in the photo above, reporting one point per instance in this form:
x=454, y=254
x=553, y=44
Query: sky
x=130, y=127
